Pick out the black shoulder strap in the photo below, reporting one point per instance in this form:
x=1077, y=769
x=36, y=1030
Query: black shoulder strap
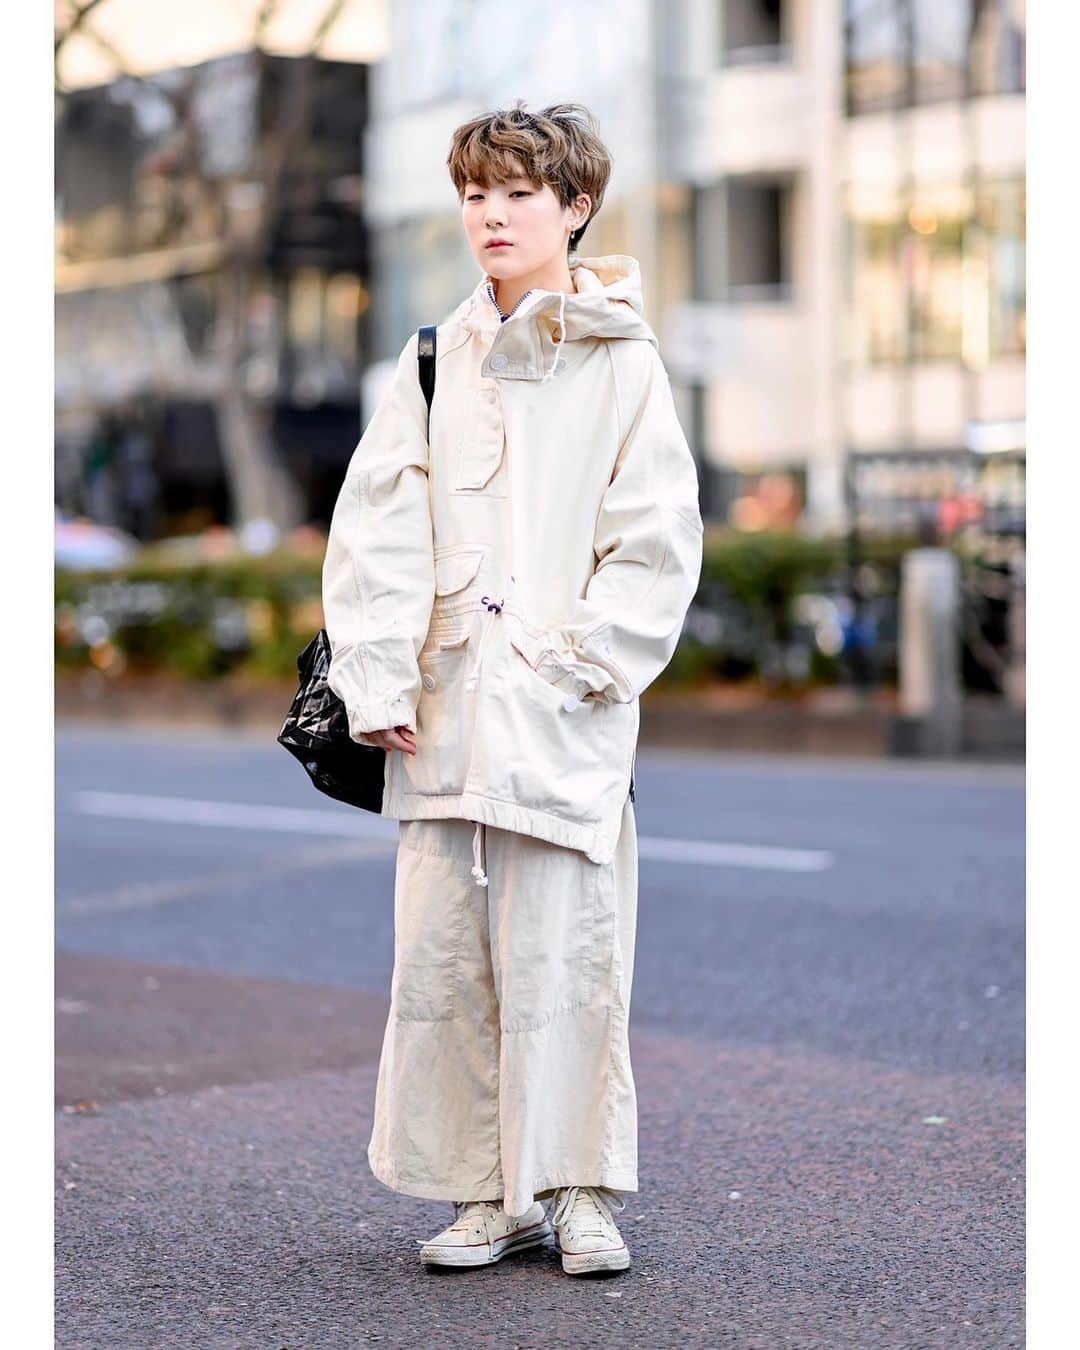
x=425, y=353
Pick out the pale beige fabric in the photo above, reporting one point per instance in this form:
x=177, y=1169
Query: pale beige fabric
x=505, y=1068
x=509, y=584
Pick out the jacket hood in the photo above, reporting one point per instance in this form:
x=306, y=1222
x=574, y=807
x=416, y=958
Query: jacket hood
x=606, y=302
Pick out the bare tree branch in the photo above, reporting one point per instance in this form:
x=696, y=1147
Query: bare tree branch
x=77, y=17
x=79, y=13
x=260, y=486
x=293, y=122
x=105, y=45
x=333, y=13
x=265, y=16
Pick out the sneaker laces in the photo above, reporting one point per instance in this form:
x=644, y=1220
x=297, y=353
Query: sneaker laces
x=588, y=1209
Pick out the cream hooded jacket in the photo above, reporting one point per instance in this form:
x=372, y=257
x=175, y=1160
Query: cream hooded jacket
x=508, y=590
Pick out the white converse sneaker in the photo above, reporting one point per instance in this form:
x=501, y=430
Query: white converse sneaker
x=585, y=1232
x=483, y=1232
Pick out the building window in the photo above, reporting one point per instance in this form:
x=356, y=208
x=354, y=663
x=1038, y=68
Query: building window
x=940, y=37
x=752, y=32
x=941, y=278
x=899, y=52
x=877, y=312
x=998, y=47
x=305, y=309
x=345, y=303
x=323, y=312
x=876, y=41
x=743, y=228
x=766, y=499
x=996, y=264
x=932, y=259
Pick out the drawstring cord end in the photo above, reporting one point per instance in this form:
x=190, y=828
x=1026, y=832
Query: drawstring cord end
x=477, y=868
x=562, y=334
x=493, y=607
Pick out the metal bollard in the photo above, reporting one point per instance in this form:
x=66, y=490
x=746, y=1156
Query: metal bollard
x=931, y=694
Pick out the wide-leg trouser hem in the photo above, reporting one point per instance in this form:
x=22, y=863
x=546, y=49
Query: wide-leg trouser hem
x=610, y=1179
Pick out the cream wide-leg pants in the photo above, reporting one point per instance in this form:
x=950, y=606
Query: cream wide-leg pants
x=505, y=1067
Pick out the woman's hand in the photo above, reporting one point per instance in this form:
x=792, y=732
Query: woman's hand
x=398, y=738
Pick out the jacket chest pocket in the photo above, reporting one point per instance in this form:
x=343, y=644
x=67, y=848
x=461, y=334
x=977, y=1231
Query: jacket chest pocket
x=479, y=456
x=456, y=571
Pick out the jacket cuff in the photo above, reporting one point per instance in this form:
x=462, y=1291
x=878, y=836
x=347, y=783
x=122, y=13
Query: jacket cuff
x=562, y=669
x=397, y=712
x=563, y=677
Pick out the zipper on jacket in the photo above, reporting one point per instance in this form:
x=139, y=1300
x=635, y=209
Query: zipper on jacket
x=502, y=316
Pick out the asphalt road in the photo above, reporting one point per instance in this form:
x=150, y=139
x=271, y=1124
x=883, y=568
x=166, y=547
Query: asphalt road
x=827, y=1034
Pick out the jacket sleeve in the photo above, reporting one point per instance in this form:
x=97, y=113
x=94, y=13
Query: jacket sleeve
x=648, y=543
x=378, y=576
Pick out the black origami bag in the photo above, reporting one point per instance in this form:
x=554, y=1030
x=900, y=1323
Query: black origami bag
x=316, y=729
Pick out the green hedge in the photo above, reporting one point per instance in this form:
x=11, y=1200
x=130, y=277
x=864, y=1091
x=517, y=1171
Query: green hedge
x=200, y=621
x=254, y=614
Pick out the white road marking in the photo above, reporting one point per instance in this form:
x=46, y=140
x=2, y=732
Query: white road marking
x=366, y=825
x=150, y=894
x=235, y=815
x=735, y=855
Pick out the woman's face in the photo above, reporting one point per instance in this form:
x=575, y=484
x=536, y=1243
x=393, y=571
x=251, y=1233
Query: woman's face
x=530, y=218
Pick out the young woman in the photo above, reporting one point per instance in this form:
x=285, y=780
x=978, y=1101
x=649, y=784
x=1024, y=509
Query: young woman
x=500, y=585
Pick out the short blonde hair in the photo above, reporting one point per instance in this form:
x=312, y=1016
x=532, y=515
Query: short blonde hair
x=559, y=146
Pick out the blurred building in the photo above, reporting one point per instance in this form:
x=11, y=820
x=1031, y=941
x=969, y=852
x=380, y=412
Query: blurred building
x=856, y=321
x=447, y=62
x=156, y=178
x=827, y=200
x=932, y=388
x=826, y=197
x=751, y=116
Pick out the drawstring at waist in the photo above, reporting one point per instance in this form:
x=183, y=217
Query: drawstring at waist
x=477, y=868
x=493, y=608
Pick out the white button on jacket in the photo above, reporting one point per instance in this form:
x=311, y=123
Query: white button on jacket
x=508, y=590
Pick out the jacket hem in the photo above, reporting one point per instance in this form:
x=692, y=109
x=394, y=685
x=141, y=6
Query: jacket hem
x=597, y=845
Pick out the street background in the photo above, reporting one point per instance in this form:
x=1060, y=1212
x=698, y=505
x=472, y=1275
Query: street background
x=828, y=202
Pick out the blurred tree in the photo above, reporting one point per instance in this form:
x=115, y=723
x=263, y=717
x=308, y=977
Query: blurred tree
x=245, y=199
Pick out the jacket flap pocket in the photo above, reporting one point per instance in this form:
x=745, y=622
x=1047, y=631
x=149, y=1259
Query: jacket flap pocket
x=480, y=452
x=454, y=571
x=531, y=648
x=543, y=659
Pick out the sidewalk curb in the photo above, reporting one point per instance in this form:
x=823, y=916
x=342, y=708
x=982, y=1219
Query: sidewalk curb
x=833, y=722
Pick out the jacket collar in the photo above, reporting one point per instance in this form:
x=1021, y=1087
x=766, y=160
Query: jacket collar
x=606, y=302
